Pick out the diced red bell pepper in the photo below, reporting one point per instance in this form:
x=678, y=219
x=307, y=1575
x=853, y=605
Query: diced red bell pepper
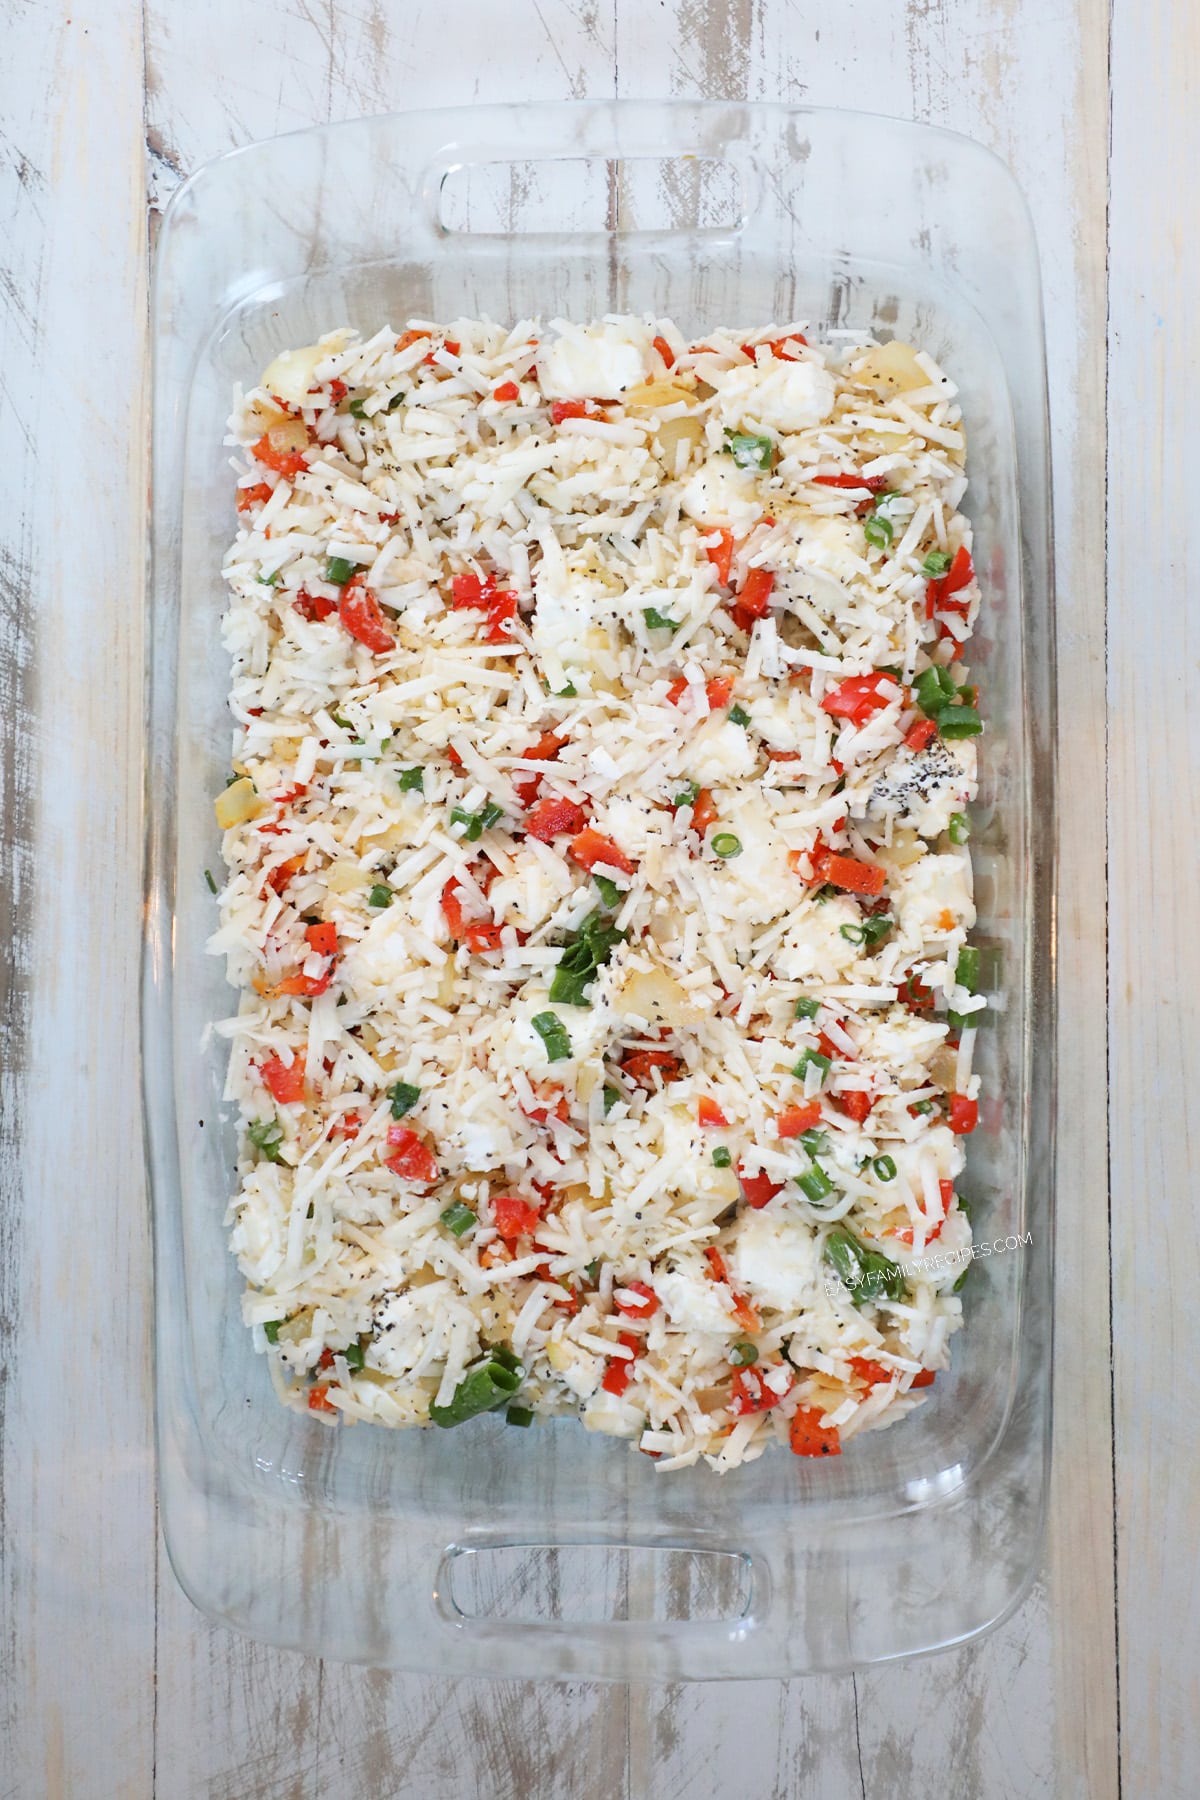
x=549, y=818
x=717, y=1266
x=757, y=1191
x=572, y=409
x=306, y=986
x=279, y=877
x=592, y=847
x=923, y=1378
x=921, y=734
x=704, y=811
x=677, y=689
x=502, y=610
x=827, y=1047
x=619, y=1372
x=854, y=877
x=323, y=938
x=468, y=590
x=253, y=496
x=960, y=572
x=325, y=1360
x=284, y=462
x=856, y=1103
x=751, y=1394
x=408, y=338
x=514, y=1218
x=508, y=390
x=720, y=555
x=545, y=750
x=871, y=1372
x=946, y=1190
x=348, y=1126
x=551, y=1104
x=665, y=351
x=809, y=1435
x=858, y=697
x=709, y=1113
x=639, y=1064
x=754, y=595
x=317, y=1401
x=476, y=934
x=964, y=1114
x=644, y=1306
x=285, y=1081
x=875, y=484
x=796, y=1119
x=313, y=607
x=411, y=1158
x=362, y=615
x=718, y=692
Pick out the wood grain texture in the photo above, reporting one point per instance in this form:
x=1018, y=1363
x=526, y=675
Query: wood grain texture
x=109, y=1681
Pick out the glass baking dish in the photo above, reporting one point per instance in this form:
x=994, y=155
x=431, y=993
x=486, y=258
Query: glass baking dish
x=555, y=1552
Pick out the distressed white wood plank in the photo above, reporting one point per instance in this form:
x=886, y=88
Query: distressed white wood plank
x=77, y=1525
x=1154, y=799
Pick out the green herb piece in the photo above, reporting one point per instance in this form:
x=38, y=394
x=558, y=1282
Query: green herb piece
x=807, y=1007
x=208, y=876
x=815, y=1183
x=688, y=796
x=738, y=715
x=656, y=621
x=592, y=1270
x=853, y=934
x=404, y=1097
x=553, y=1034
x=816, y=1141
x=353, y=1354
x=518, y=1415
x=608, y=890
x=380, y=895
x=960, y=828
x=878, y=529
x=959, y=722
x=271, y=1328
x=726, y=845
x=395, y=401
x=459, y=1219
x=742, y=1355
x=867, y=1273
x=342, y=724
x=339, y=569
x=358, y=407
x=722, y=1157
x=885, y=1168
x=271, y=580
x=749, y=452
x=934, y=690
x=610, y=1097
x=568, y=693
x=266, y=1135
x=936, y=564
x=412, y=781
x=811, y=1059
x=486, y=1386
x=585, y=953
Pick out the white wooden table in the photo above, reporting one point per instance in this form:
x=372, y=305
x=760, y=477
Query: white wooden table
x=110, y=1684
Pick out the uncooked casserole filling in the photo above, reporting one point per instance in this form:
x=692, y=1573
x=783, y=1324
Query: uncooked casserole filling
x=597, y=879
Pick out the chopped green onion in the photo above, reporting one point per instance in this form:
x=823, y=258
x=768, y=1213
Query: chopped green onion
x=339, y=569
x=518, y=1415
x=960, y=828
x=271, y=580
x=688, y=796
x=934, y=690
x=743, y=1354
x=459, y=1219
x=553, y=1034
x=959, y=722
x=592, y=1270
x=726, y=845
x=353, y=1354
x=749, y=452
x=656, y=621
x=722, y=1157
x=738, y=715
x=610, y=1097
x=609, y=892
x=811, y=1059
x=815, y=1183
x=876, y=927
x=816, y=1141
x=923, y=1106
x=491, y=815
x=342, y=724
x=358, y=407
x=936, y=564
x=266, y=1135
x=853, y=934
x=473, y=823
x=807, y=1007
x=867, y=1273
x=568, y=693
x=380, y=895
x=964, y=1206
x=961, y=1282
x=878, y=529
x=395, y=401
x=486, y=1386
x=404, y=1097
x=508, y=1359
x=412, y=781
x=885, y=1168
x=208, y=876
x=585, y=953
x=271, y=1328
x=966, y=970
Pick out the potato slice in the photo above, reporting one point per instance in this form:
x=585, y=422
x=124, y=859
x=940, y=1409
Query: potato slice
x=291, y=375
x=890, y=369
x=238, y=803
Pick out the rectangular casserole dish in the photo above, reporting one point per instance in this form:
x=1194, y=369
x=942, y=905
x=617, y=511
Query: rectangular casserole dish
x=553, y=1552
